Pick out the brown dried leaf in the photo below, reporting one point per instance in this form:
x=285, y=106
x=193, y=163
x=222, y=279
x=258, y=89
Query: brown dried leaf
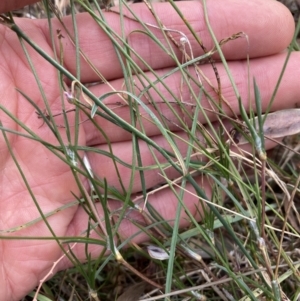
x=133, y=293
x=278, y=125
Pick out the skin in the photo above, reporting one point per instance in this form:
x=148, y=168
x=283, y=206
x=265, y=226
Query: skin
x=24, y=262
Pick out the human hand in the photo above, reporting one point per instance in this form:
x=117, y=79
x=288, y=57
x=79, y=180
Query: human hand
x=24, y=262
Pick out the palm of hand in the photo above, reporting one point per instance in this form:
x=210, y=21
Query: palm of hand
x=51, y=180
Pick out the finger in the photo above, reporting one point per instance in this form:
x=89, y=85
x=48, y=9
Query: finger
x=164, y=202
x=6, y=5
x=271, y=32
x=266, y=71
x=119, y=173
